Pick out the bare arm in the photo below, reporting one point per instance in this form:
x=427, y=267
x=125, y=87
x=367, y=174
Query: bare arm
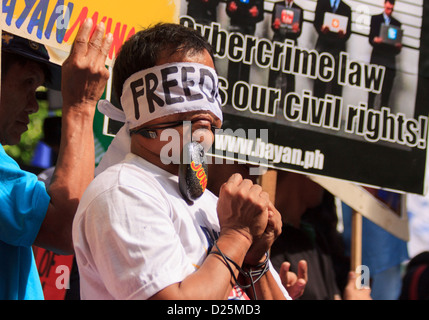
x=266, y=288
x=213, y=281
x=243, y=215
x=84, y=77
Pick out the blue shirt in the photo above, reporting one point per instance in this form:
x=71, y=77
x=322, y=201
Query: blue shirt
x=24, y=203
x=386, y=18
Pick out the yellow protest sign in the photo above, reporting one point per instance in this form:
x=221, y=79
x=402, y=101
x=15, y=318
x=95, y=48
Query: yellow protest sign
x=55, y=22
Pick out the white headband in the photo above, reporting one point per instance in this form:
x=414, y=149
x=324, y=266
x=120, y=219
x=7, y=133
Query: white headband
x=191, y=86
x=168, y=89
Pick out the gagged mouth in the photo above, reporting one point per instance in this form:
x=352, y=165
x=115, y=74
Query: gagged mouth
x=202, y=123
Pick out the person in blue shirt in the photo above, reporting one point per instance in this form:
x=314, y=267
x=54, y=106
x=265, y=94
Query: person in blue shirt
x=30, y=214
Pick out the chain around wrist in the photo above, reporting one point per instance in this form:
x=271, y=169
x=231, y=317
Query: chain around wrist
x=251, y=272
x=260, y=265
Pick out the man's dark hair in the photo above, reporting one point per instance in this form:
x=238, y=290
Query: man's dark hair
x=142, y=50
x=390, y=1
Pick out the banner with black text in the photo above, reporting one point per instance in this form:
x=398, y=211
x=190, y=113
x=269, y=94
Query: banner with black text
x=339, y=92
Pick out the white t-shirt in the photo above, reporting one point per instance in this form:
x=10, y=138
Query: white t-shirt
x=134, y=234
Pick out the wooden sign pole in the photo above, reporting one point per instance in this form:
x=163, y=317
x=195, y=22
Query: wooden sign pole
x=268, y=182
x=356, y=241
x=360, y=200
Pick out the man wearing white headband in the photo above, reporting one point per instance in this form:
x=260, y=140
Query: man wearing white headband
x=136, y=235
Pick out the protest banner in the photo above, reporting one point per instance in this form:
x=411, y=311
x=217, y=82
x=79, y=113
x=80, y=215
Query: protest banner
x=55, y=22
x=323, y=103
x=273, y=81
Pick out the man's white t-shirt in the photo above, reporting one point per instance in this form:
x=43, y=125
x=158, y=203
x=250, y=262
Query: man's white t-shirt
x=134, y=234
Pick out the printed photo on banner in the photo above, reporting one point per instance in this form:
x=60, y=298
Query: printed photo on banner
x=337, y=83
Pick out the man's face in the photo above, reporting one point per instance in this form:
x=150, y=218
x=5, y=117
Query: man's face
x=18, y=100
x=202, y=121
x=388, y=8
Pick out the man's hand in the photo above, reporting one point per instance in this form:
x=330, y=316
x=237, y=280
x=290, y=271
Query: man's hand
x=242, y=209
x=294, y=284
x=262, y=244
x=352, y=292
x=324, y=29
x=254, y=11
x=232, y=7
x=295, y=27
x=84, y=73
x=378, y=40
x=276, y=23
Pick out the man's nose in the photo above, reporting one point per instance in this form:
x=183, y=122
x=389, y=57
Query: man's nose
x=33, y=104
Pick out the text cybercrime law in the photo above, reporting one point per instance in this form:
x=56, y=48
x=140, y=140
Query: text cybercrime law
x=293, y=60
